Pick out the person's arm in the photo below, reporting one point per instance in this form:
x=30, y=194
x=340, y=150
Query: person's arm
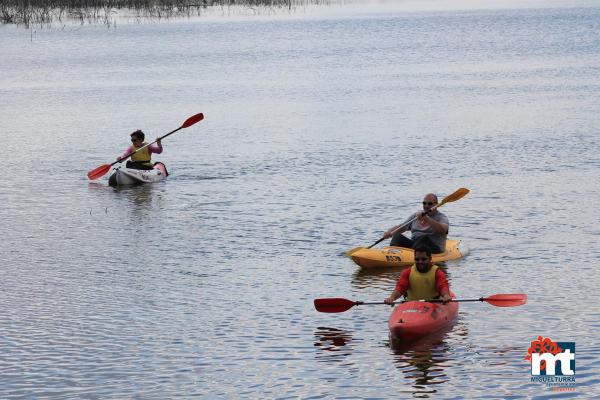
x=405, y=226
x=401, y=287
x=125, y=155
x=441, y=285
x=438, y=227
x=156, y=148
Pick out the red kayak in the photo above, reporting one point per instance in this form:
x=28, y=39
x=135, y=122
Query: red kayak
x=414, y=319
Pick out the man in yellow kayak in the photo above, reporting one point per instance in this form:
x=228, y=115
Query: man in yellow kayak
x=142, y=158
x=422, y=281
x=428, y=227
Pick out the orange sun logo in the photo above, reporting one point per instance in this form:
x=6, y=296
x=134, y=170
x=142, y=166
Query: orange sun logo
x=542, y=345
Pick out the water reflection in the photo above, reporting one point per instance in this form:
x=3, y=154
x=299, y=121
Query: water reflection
x=137, y=194
x=425, y=361
x=331, y=344
x=137, y=205
x=140, y=198
x=384, y=278
x=94, y=185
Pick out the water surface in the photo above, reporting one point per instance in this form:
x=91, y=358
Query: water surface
x=321, y=132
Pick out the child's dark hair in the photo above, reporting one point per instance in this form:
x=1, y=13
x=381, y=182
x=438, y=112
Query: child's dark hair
x=138, y=134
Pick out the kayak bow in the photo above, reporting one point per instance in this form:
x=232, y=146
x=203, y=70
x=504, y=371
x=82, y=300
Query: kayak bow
x=414, y=319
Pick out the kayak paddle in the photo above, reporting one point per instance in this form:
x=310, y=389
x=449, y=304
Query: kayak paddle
x=338, y=305
x=103, y=169
x=457, y=195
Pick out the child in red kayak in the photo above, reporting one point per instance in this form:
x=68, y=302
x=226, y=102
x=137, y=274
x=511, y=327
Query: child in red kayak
x=142, y=158
x=423, y=281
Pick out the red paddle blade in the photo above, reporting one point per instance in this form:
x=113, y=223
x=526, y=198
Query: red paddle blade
x=333, y=305
x=98, y=172
x=192, y=120
x=506, y=300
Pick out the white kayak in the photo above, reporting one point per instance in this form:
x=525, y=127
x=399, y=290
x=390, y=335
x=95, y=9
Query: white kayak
x=123, y=176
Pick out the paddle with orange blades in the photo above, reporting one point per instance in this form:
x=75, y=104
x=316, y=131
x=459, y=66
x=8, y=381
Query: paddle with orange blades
x=457, y=195
x=338, y=305
x=103, y=169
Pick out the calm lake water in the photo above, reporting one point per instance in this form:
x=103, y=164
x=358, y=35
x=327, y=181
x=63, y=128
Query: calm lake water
x=322, y=129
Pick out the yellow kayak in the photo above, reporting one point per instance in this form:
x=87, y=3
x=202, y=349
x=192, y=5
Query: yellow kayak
x=404, y=257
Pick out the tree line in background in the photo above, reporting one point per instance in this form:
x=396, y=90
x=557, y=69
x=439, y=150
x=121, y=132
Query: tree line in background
x=27, y=12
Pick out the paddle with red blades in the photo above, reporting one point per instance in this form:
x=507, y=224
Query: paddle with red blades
x=103, y=169
x=457, y=195
x=338, y=305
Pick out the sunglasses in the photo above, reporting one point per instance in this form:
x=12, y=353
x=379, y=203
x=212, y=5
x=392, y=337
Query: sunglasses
x=421, y=259
x=428, y=203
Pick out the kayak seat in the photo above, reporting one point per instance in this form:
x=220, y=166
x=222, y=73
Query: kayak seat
x=138, y=165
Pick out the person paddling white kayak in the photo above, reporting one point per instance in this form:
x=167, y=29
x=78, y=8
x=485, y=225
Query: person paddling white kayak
x=141, y=157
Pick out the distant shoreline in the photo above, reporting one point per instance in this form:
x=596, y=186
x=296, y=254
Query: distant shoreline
x=46, y=12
